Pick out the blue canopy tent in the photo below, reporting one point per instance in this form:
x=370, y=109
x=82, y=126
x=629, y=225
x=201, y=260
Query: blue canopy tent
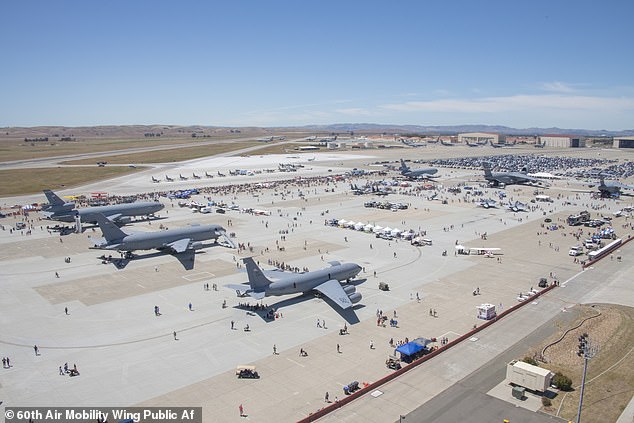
x=413, y=349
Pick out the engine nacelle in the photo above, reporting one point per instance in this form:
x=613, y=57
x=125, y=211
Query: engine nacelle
x=349, y=289
x=124, y=220
x=355, y=298
x=196, y=245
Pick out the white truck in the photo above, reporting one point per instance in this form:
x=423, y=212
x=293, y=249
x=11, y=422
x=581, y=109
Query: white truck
x=576, y=250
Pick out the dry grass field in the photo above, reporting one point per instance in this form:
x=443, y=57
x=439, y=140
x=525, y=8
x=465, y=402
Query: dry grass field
x=32, y=180
x=610, y=376
x=168, y=155
x=17, y=149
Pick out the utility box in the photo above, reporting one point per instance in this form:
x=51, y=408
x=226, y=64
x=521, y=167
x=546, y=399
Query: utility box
x=528, y=376
x=518, y=392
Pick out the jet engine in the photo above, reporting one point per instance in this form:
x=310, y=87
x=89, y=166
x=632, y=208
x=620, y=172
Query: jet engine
x=349, y=289
x=196, y=245
x=124, y=220
x=355, y=298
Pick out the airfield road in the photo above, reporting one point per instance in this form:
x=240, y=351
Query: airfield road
x=127, y=355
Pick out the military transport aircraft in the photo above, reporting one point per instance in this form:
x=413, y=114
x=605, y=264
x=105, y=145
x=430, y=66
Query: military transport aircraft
x=326, y=281
x=172, y=241
x=62, y=211
x=507, y=178
x=417, y=173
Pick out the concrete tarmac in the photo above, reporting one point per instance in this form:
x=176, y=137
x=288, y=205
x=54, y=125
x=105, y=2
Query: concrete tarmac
x=126, y=355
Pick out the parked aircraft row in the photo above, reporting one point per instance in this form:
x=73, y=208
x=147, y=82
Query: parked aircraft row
x=182, y=243
x=184, y=178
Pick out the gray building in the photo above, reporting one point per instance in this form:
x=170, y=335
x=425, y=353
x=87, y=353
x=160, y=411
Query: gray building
x=481, y=138
x=623, y=142
x=562, y=141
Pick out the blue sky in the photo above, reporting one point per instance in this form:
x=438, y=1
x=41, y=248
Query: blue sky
x=534, y=63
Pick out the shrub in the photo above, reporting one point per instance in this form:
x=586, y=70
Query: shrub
x=546, y=402
x=562, y=382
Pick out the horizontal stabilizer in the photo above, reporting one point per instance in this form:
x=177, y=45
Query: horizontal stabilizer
x=114, y=217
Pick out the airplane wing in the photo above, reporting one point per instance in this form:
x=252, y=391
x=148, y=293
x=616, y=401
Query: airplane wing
x=333, y=290
x=179, y=246
x=113, y=217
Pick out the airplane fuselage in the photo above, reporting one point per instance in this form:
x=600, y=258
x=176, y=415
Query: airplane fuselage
x=160, y=240
x=304, y=282
x=87, y=215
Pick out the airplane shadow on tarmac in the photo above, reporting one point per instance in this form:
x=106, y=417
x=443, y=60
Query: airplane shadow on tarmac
x=187, y=258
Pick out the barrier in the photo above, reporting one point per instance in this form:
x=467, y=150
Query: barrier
x=374, y=385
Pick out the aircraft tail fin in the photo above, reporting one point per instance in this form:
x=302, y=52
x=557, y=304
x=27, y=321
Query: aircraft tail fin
x=110, y=231
x=404, y=167
x=257, y=280
x=53, y=199
x=487, y=169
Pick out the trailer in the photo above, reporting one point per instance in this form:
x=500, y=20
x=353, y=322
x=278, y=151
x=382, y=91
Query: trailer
x=528, y=376
x=579, y=219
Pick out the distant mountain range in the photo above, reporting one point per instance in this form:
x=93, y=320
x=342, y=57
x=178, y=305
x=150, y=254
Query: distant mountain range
x=454, y=129
x=339, y=128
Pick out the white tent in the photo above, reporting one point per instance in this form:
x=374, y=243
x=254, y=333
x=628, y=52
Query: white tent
x=377, y=229
x=359, y=226
x=350, y=224
x=368, y=227
x=396, y=232
x=342, y=222
x=387, y=230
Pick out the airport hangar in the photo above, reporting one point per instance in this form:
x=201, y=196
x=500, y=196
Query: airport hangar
x=623, y=142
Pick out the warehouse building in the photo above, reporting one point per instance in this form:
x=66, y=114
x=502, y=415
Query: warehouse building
x=481, y=138
x=623, y=142
x=562, y=141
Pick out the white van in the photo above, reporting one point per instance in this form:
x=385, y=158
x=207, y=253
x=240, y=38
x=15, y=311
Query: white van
x=575, y=251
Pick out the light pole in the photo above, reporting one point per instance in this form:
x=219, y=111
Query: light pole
x=587, y=351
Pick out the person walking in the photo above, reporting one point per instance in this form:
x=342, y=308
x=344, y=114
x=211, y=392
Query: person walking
x=326, y=397
x=66, y=310
x=274, y=349
x=175, y=339
x=338, y=348
x=36, y=349
x=241, y=408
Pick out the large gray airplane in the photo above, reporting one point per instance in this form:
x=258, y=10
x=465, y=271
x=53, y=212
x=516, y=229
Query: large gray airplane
x=417, y=173
x=173, y=241
x=507, y=178
x=327, y=281
x=63, y=211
